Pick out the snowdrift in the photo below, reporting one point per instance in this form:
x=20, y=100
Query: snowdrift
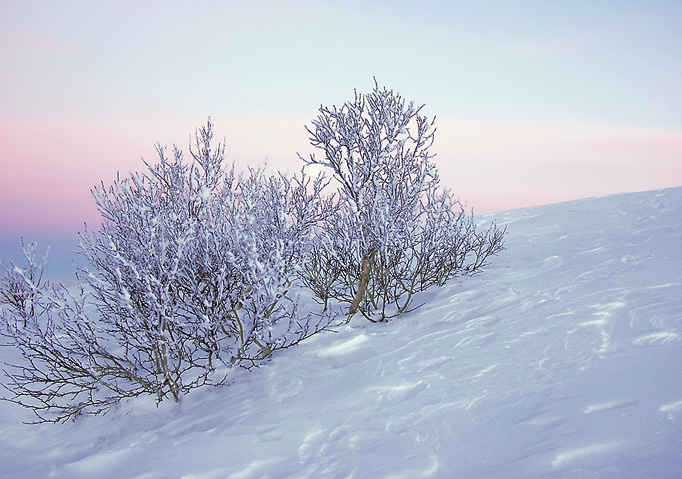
x=563, y=359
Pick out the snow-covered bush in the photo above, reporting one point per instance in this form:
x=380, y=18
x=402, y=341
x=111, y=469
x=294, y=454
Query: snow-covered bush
x=394, y=232
x=190, y=273
x=19, y=287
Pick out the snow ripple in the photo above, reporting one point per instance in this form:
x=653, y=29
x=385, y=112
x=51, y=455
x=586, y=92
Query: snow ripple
x=600, y=452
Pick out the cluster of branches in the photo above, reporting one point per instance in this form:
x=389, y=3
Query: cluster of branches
x=394, y=231
x=194, y=269
x=190, y=274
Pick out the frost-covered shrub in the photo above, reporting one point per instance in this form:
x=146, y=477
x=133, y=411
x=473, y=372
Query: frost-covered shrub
x=394, y=232
x=19, y=287
x=190, y=273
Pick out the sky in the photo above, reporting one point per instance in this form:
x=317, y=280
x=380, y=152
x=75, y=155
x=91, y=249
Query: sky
x=535, y=101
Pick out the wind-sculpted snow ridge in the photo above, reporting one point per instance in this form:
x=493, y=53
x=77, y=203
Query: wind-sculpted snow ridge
x=563, y=360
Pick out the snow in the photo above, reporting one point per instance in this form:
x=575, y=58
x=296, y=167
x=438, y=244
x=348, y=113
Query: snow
x=561, y=360
x=205, y=193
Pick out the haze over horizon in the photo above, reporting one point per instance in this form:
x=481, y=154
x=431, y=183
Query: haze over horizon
x=536, y=102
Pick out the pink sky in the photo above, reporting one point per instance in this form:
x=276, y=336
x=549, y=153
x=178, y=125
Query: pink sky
x=493, y=166
x=535, y=103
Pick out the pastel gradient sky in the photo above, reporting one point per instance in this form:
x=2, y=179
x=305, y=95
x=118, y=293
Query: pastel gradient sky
x=536, y=101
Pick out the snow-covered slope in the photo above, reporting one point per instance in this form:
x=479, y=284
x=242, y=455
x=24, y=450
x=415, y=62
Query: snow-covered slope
x=563, y=359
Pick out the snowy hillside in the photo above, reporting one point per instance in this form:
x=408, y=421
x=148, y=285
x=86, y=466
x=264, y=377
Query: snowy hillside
x=562, y=360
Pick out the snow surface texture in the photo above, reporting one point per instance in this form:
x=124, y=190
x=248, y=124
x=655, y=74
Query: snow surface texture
x=562, y=360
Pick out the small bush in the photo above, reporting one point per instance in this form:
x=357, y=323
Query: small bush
x=190, y=274
x=394, y=231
